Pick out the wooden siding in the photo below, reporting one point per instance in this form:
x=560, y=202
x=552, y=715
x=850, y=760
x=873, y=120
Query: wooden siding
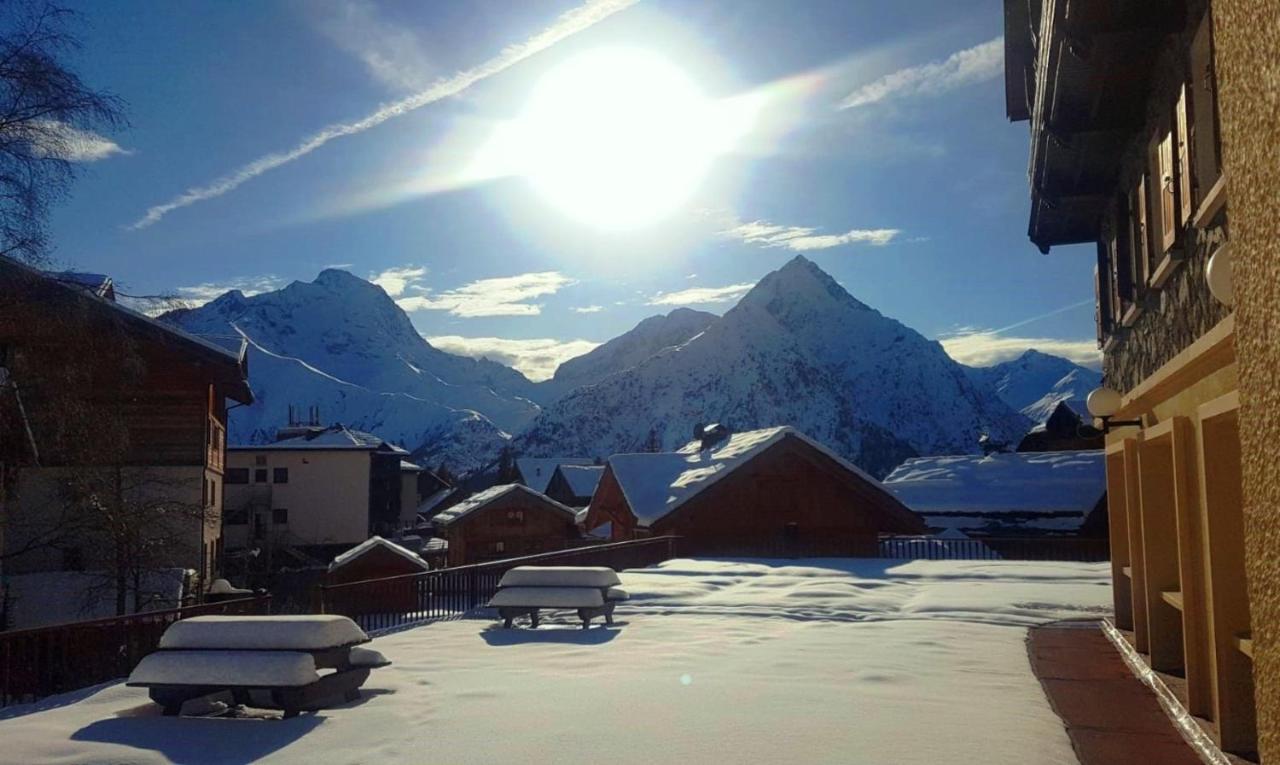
x=475, y=537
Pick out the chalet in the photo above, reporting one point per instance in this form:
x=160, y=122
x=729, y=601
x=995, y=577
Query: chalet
x=377, y=558
x=1153, y=139
x=574, y=485
x=374, y=558
x=1064, y=430
x=1011, y=495
x=505, y=521
x=771, y=491
x=106, y=411
x=536, y=472
x=317, y=490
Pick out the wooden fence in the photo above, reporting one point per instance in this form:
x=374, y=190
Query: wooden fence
x=40, y=662
x=382, y=603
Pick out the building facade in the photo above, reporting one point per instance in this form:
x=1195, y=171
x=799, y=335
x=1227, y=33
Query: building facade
x=317, y=490
x=1153, y=135
x=763, y=492
x=505, y=521
x=114, y=415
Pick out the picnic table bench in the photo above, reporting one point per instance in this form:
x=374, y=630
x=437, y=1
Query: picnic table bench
x=264, y=661
x=591, y=590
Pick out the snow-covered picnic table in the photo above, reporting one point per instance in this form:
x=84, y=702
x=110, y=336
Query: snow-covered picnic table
x=263, y=661
x=524, y=590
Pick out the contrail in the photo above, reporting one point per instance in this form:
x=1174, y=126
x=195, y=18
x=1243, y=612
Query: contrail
x=1054, y=312
x=574, y=21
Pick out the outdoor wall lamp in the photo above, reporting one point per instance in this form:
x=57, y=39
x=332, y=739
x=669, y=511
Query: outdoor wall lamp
x=1103, y=403
x=1217, y=272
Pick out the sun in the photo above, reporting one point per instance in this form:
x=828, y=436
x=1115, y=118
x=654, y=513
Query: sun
x=618, y=137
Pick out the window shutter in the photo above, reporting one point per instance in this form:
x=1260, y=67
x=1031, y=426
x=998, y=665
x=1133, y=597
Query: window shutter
x=1204, y=128
x=1183, y=169
x=1119, y=246
x=1141, y=235
x=1164, y=194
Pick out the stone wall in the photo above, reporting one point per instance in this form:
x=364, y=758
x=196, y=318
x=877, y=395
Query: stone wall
x=1248, y=62
x=1177, y=315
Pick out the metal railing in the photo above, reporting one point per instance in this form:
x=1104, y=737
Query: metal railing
x=1081, y=549
x=378, y=604
x=40, y=662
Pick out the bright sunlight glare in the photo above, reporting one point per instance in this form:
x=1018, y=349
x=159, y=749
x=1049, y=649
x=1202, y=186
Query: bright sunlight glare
x=619, y=137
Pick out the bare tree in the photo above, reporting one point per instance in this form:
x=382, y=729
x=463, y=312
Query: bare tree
x=47, y=114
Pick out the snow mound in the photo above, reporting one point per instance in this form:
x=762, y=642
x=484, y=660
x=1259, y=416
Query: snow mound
x=299, y=633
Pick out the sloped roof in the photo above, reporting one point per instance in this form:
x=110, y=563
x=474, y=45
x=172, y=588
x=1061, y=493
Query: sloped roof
x=1018, y=483
x=433, y=500
x=482, y=499
x=657, y=484
x=332, y=437
x=536, y=472
x=582, y=479
x=231, y=363
x=409, y=467
x=375, y=542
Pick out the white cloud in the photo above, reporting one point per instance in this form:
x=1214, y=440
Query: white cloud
x=965, y=67
x=392, y=53
x=537, y=358
x=199, y=294
x=570, y=23
x=58, y=139
x=702, y=295
x=982, y=348
x=502, y=296
x=588, y=309
x=802, y=238
x=395, y=280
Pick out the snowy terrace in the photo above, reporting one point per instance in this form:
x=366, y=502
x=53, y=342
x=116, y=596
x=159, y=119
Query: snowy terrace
x=821, y=660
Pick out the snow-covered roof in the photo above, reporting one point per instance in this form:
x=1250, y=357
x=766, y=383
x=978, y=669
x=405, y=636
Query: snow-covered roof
x=371, y=543
x=409, y=467
x=332, y=437
x=582, y=479
x=493, y=493
x=429, y=504
x=536, y=472
x=656, y=484
x=1023, y=483
x=435, y=544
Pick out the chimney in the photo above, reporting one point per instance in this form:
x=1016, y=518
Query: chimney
x=710, y=435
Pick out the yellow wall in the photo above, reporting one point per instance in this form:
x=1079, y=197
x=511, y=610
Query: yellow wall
x=327, y=495
x=1247, y=34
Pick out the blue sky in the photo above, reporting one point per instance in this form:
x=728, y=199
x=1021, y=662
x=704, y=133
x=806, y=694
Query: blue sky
x=870, y=136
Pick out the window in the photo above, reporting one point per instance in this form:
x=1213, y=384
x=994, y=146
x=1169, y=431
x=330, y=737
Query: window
x=1140, y=246
x=1164, y=203
x=515, y=516
x=499, y=547
x=260, y=475
x=235, y=516
x=236, y=475
x=213, y=493
x=204, y=492
x=280, y=475
x=260, y=460
x=279, y=516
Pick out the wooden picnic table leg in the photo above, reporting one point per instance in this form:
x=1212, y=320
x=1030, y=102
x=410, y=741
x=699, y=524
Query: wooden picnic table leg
x=533, y=618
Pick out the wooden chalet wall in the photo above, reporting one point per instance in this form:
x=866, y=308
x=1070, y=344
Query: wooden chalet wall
x=789, y=500
x=476, y=537
x=377, y=563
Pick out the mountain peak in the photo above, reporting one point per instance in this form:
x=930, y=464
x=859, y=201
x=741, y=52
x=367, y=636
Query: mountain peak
x=336, y=278
x=800, y=285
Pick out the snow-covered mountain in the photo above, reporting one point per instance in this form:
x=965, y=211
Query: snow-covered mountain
x=797, y=350
x=1035, y=382
x=340, y=343
x=647, y=338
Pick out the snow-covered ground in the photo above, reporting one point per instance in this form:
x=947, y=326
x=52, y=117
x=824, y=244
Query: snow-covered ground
x=849, y=661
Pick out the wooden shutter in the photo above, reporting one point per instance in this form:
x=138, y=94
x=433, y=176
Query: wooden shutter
x=1204, y=128
x=1164, y=193
x=1102, y=292
x=1119, y=245
x=1183, y=159
x=1141, y=244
